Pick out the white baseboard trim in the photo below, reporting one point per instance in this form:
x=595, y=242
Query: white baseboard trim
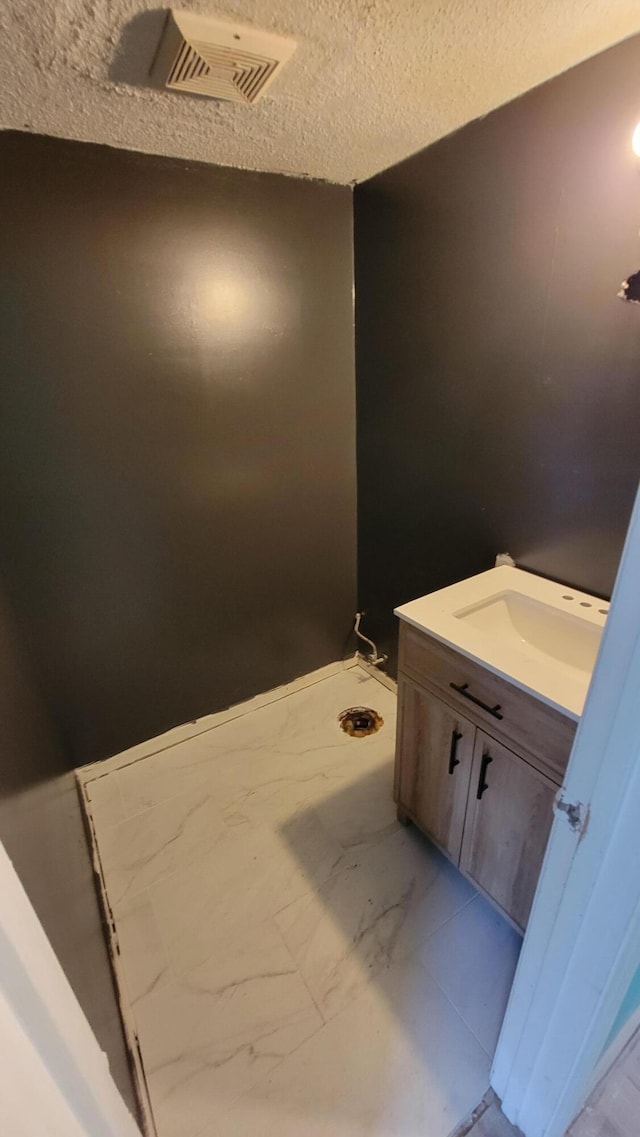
x=376, y=673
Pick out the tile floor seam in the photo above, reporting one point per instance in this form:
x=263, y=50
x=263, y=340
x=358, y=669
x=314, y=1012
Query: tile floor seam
x=313, y=887
x=148, y=808
x=213, y=758
x=370, y=977
x=294, y=835
x=173, y=976
x=162, y=880
x=116, y=935
x=447, y=921
x=127, y=896
x=416, y=955
x=272, y=921
x=347, y=665
x=327, y=1027
x=119, y=796
x=456, y=1009
x=425, y=967
x=460, y=1015
x=218, y=758
x=318, y=885
x=371, y=848
x=283, y=1058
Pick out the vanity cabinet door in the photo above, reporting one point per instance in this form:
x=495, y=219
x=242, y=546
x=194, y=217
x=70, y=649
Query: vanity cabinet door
x=434, y=754
x=508, y=820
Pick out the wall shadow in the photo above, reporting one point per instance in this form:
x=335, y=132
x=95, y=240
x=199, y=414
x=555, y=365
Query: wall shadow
x=137, y=47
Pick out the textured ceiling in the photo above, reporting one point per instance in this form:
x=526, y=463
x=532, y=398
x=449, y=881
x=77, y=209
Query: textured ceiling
x=372, y=81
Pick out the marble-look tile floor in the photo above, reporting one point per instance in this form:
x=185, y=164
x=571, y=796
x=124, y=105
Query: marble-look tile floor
x=294, y=962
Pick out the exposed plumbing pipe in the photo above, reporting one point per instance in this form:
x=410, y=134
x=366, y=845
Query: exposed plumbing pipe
x=372, y=657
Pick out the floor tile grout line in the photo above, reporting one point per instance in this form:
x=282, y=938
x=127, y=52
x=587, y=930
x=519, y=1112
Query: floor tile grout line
x=273, y=924
x=163, y=944
x=349, y=664
x=129, y=896
x=338, y=872
x=411, y=956
x=217, y=757
x=147, y=808
x=424, y=963
x=362, y=854
x=323, y=1021
x=176, y=978
x=440, y=928
x=195, y=765
x=456, y=1009
x=303, y=810
x=314, y=888
x=205, y=1131
x=448, y=920
x=370, y=981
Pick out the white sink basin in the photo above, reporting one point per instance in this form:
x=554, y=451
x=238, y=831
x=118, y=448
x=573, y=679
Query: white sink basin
x=541, y=635
x=526, y=623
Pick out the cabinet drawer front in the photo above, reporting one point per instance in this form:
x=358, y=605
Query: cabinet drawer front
x=509, y=816
x=434, y=753
x=531, y=727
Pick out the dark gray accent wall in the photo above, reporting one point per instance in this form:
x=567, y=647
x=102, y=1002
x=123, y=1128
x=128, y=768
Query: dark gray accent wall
x=41, y=827
x=177, y=437
x=498, y=375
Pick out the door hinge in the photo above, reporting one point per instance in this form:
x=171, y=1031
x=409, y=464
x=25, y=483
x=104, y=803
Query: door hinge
x=576, y=813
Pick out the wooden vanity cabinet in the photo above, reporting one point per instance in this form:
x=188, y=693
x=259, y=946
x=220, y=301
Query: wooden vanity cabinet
x=487, y=804
x=506, y=828
x=433, y=777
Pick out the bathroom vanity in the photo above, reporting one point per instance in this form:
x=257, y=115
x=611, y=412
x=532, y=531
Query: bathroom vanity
x=493, y=673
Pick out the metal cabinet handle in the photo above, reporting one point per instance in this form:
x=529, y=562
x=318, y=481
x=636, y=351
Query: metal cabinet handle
x=482, y=783
x=463, y=689
x=453, y=761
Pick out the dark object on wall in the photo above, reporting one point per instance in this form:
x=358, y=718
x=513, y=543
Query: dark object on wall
x=630, y=289
x=505, y=415
x=177, y=524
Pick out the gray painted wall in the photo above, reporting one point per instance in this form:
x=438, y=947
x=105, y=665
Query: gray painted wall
x=41, y=827
x=177, y=441
x=498, y=375
x=177, y=478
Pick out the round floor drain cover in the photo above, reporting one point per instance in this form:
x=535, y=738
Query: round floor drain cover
x=360, y=721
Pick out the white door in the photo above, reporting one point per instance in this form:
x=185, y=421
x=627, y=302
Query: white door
x=583, y=941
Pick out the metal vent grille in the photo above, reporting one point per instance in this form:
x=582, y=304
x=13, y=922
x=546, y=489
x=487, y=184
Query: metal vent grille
x=201, y=56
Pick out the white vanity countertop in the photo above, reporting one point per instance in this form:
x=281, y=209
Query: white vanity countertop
x=540, y=635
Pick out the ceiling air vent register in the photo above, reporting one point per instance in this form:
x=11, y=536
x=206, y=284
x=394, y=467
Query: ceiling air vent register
x=203, y=56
